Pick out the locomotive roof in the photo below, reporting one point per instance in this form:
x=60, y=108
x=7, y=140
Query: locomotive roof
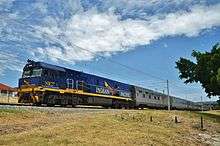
x=55, y=67
x=50, y=66
x=31, y=63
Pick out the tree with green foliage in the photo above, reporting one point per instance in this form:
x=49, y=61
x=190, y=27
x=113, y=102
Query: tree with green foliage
x=218, y=101
x=205, y=70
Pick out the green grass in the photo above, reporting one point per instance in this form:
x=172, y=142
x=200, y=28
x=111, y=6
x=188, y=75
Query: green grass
x=2, y=111
x=123, y=127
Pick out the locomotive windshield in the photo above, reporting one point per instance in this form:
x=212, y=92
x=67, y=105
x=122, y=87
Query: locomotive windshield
x=32, y=72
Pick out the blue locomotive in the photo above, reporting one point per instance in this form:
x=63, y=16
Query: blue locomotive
x=43, y=83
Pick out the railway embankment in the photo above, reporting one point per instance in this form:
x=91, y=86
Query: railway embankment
x=88, y=126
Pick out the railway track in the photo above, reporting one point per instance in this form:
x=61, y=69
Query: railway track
x=77, y=109
x=15, y=104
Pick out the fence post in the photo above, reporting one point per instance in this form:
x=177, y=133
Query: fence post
x=202, y=123
x=176, y=121
x=151, y=118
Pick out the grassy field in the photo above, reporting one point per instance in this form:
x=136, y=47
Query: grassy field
x=120, y=127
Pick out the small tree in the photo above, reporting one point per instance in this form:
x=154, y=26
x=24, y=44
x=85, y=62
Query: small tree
x=206, y=70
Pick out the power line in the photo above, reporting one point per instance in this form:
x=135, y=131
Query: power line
x=123, y=65
x=56, y=40
x=96, y=54
x=134, y=80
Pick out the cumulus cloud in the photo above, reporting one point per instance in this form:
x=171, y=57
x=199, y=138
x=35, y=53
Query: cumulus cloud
x=107, y=33
x=76, y=30
x=143, y=8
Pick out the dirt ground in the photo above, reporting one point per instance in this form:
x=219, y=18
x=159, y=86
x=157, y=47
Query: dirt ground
x=107, y=127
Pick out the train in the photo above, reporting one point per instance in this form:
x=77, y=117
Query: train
x=46, y=84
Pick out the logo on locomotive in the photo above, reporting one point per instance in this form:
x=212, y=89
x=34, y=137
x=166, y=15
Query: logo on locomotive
x=49, y=83
x=107, y=89
x=102, y=90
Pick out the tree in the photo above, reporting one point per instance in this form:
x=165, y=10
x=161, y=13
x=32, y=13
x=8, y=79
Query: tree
x=205, y=70
x=218, y=101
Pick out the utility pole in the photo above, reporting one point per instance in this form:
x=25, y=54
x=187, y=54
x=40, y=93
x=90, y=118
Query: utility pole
x=202, y=103
x=168, y=96
x=188, y=104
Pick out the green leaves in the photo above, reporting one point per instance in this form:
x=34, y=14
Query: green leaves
x=218, y=76
x=205, y=70
x=187, y=69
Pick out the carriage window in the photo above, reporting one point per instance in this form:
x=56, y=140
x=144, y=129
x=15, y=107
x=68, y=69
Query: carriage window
x=158, y=98
x=144, y=95
x=140, y=91
x=155, y=97
x=149, y=96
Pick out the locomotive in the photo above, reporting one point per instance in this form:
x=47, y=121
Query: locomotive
x=43, y=83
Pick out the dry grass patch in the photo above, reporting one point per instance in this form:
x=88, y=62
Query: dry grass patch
x=107, y=128
x=16, y=121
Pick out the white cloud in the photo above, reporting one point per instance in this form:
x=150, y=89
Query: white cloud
x=106, y=33
x=189, y=24
x=9, y=62
x=51, y=29
x=143, y=8
x=63, y=34
x=41, y=7
x=131, y=4
x=6, y=2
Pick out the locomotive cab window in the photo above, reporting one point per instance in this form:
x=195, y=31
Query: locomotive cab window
x=36, y=72
x=26, y=73
x=32, y=72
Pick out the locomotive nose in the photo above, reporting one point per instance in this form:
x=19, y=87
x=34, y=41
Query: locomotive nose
x=29, y=81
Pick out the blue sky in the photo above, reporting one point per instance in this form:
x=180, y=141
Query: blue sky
x=148, y=35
